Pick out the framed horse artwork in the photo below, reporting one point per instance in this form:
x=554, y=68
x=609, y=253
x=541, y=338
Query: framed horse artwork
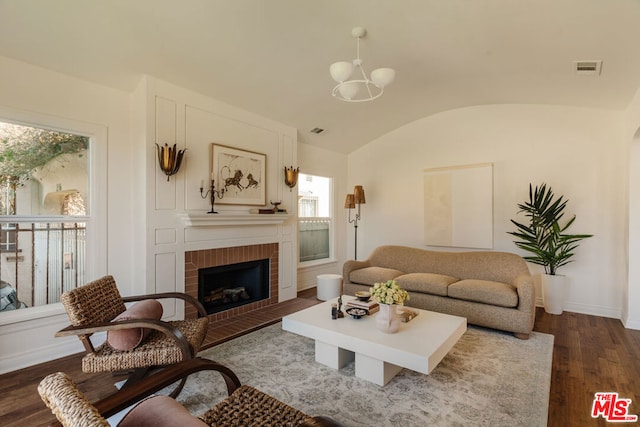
x=240, y=173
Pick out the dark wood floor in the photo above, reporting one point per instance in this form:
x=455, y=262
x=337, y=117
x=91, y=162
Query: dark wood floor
x=591, y=354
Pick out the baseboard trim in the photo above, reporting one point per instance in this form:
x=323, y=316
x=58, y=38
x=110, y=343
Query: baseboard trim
x=631, y=324
x=16, y=361
x=591, y=310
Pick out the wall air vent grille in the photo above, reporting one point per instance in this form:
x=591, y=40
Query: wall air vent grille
x=588, y=68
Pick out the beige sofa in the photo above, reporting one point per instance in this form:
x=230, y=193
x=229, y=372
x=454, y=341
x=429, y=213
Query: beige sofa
x=491, y=289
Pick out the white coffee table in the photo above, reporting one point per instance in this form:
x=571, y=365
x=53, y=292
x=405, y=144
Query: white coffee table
x=419, y=345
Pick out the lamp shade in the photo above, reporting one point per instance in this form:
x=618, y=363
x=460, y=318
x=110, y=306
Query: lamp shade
x=383, y=76
x=348, y=202
x=358, y=195
x=340, y=71
x=349, y=90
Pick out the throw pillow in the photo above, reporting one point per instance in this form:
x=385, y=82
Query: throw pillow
x=128, y=339
x=158, y=411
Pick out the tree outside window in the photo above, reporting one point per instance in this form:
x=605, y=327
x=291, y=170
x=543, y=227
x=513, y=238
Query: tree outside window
x=43, y=176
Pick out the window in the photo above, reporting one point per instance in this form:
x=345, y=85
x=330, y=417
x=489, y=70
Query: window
x=44, y=194
x=315, y=218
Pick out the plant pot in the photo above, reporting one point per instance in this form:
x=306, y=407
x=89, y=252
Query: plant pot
x=553, y=292
x=387, y=319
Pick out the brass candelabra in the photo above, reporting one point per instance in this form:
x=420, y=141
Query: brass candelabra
x=212, y=193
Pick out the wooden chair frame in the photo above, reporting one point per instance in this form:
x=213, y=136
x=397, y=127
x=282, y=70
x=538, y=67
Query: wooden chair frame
x=85, y=332
x=127, y=397
x=108, y=286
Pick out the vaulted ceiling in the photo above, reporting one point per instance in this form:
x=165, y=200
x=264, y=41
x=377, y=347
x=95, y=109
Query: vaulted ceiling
x=272, y=57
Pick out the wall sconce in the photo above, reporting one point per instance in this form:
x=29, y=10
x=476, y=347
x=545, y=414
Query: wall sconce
x=357, y=198
x=291, y=176
x=169, y=159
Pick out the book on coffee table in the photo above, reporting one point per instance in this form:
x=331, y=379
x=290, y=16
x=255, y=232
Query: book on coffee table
x=370, y=306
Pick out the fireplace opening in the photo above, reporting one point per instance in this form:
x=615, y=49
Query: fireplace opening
x=228, y=286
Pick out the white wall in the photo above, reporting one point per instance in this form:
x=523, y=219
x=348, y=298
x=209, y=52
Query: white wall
x=580, y=153
x=194, y=122
x=631, y=296
x=32, y=93
x=317, y=161
x=146, y=236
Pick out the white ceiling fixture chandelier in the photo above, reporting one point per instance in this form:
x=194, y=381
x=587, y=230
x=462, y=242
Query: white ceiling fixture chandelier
x=359, y=90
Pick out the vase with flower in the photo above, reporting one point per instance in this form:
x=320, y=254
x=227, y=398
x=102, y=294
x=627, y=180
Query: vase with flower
x=389, y=295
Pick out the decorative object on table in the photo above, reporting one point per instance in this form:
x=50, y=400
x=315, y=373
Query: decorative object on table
x=211, y=193
x=356, y=312
x=350, y=202
x=389, y=295
x=359, y=90
x=370, y=306
x=169, y=159
x=545, y=238
x=387, y=319
x=363, y=295
x=291, y=177
x=336, y=309
x=405, y=314
x=241, y=174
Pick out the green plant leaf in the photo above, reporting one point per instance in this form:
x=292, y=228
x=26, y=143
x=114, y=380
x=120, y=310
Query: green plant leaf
x=544, y=236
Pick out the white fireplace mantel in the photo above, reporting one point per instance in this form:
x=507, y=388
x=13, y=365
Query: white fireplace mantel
x=231, y=219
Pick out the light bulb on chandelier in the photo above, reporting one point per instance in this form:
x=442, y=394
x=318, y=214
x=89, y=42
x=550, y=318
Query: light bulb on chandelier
x=359, y=90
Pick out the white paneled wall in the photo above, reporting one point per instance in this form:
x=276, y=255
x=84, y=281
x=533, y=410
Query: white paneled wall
x=194, y=122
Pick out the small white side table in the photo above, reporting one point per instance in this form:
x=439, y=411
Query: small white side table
x=329, y=286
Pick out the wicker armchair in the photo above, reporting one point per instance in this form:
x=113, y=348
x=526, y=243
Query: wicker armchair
x=91, y=308
x=245, y=406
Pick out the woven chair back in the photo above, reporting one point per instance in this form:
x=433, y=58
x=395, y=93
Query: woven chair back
x=96, y=302
x=69, y=405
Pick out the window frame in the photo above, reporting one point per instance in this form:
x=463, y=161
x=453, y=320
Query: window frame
x=96, y=219
x=332, y=226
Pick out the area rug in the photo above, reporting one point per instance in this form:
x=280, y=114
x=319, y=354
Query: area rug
x=489, y=378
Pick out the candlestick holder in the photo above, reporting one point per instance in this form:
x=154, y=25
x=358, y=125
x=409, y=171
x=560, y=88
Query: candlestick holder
x=212, y=193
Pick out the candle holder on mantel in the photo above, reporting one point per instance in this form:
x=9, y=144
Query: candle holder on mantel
x=212, y=193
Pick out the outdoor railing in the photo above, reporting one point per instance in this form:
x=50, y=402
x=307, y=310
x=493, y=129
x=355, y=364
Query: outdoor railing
x=314, y=238
x=41, y=260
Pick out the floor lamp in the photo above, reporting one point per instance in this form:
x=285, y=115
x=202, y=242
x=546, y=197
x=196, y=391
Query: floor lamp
x=357, y=198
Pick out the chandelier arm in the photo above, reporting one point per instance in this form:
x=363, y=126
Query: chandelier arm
x=349, y=91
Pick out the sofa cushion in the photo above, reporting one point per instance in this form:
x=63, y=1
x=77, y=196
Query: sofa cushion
x=371, y=275
x=485, y=291
x=128, y=339
x=427, y=283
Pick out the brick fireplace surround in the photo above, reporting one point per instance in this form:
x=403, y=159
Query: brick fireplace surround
x=194, y=260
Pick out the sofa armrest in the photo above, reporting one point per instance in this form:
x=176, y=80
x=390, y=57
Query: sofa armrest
x=352, y=265
x=526, y=293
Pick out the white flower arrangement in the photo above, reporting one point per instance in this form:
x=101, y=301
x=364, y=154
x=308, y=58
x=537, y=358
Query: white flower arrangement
x=388, y=293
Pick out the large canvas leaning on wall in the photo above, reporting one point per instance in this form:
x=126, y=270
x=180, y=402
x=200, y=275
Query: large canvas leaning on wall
x=458, y=206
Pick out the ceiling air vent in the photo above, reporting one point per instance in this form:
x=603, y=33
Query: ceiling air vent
x=588, y=68
x=316, y=130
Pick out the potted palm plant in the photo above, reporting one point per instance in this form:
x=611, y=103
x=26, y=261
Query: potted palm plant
x=546, y=239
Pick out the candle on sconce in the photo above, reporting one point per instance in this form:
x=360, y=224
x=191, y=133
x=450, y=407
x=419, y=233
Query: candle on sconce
x=202, y=183
x=212, y=175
